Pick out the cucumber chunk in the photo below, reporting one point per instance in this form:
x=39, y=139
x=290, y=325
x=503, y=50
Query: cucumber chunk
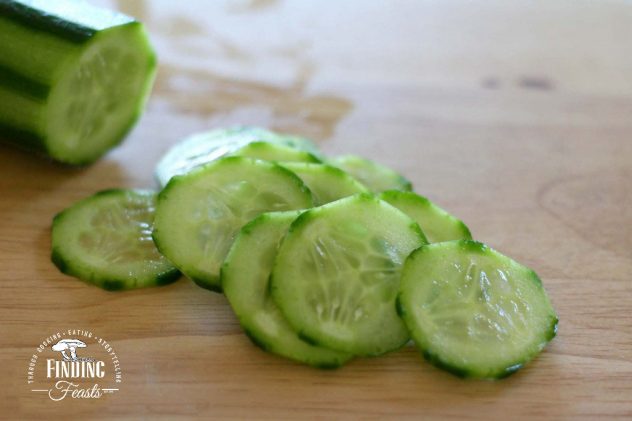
x=336, y=274
x=199, y=213
x=275, y=152
x=474, y=311
x=202, y=148
x=74, y=78
x=437, y=224
x=245, y=280
x=376, y=177
x=106, y=240
x=326, y=183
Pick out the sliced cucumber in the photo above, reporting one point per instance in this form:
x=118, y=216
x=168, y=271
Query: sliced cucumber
x=275, y=152
x=199, y=214
x=474, y=311
x=326, y=183
x=245, y=280
x=437, y=224
x=106, y=240
x=376, y=177
x=337, y=272
x=203, y=148
x=74, y=78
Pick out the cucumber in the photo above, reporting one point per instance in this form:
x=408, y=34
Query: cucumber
x=336, y=274
x=275, y=152
x=205, y=147
x=326, y=183
x=106, y=240
x=376, y=177
x=474, y=311
x=245, y=280
x=74, y=78
x=437, y=224
x=199, y=213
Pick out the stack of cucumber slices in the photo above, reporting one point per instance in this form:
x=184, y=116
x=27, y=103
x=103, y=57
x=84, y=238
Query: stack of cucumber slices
x=322, y=259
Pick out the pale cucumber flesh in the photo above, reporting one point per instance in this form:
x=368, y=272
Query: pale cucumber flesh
x=337, y=272
x=474, y=311
x=106, y=240
x=245, y=281
x=199, y=214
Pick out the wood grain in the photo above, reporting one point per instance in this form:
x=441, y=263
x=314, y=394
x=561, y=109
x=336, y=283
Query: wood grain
x=515, y=116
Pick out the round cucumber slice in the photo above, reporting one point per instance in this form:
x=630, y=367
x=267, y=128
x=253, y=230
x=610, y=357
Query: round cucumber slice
x=437, y=224
x=474, y=311
x=337, y=272
x=326, y=183
x=376, y=177
x=274, y=152
x=202, y=148
x=199, y=213
x=106, y=240
x=245, y=280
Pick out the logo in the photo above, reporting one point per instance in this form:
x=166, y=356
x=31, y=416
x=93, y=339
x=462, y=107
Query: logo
x=74, y=364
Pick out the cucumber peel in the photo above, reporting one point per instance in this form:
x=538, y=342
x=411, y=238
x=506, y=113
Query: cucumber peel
x=74, y=78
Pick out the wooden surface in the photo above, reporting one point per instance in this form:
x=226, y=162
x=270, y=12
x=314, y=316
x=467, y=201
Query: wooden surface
x=515, y=116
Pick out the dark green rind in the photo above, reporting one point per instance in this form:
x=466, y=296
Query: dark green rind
x=14, y=81
x=68, y=267
x=266, y=348
x=23, y=139
x=43, y=20
x=214, y=285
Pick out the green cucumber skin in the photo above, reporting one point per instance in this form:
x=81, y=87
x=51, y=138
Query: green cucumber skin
x=436, y=360
x=40, y=16
x=69, y=27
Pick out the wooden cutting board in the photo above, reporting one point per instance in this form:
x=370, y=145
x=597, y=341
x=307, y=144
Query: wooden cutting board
x=515, y=116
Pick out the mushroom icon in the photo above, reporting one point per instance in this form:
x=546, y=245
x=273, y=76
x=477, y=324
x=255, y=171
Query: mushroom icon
x=68, y=345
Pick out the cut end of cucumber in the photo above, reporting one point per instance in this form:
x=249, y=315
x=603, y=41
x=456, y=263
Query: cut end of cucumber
x=99, y=94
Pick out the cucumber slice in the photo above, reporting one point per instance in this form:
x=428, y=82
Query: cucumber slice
x=245, y=280
x=203, y=148
x=74, y=78
x=106, y=240
x=437, y=224
x=199, y=213
x=376, y=177
x=326, y=183
x=474, y=311
x=337, y=272
x=275, y=152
